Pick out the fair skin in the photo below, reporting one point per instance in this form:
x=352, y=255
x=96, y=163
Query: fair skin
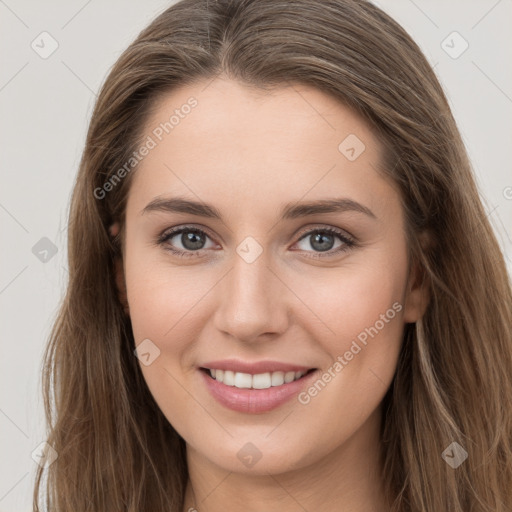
x=248, y=153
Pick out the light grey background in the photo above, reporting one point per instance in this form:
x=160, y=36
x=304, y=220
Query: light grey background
x=45, y=105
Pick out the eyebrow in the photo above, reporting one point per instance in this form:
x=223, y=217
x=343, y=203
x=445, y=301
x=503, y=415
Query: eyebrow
x=289, y=211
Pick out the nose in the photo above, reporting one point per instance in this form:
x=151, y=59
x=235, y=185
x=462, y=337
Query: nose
x=252, y=301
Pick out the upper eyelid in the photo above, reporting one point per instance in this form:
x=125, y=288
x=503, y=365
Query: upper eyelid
x=335, y=230
x=186, y=227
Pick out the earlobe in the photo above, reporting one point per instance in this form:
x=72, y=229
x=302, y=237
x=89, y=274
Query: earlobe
x=114, y=229
x=417, y=295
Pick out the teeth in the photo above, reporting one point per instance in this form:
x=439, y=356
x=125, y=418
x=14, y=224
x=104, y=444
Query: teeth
x=277, y=379
x=258, y=381
x=289, y=377
x=243, y=380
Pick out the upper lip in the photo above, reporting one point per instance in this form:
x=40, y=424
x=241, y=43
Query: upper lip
x=256, y=367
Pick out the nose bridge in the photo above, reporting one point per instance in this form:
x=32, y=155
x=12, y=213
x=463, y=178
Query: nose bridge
x=251, y=300
x=250, y=277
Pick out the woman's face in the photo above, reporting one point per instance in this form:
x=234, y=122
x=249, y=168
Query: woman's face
x=295, y=262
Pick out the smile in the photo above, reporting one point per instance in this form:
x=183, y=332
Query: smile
x=254, y=387
x=258, y=381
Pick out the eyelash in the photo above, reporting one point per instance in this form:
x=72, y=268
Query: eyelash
x=347, y=242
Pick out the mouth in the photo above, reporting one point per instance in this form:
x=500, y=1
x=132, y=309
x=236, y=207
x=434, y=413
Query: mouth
x=255, y=381
x=255, y=393
x=254, y=387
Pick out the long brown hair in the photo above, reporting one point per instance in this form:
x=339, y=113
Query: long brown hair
x=453, y=384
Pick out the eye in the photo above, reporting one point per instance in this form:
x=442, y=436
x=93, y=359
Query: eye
x=193, y=239
x=323, y=240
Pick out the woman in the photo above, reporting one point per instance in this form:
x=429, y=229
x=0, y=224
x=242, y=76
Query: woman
x=284, y=290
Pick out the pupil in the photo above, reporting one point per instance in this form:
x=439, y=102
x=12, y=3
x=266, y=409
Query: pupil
x=322, y=245
x=192, y=240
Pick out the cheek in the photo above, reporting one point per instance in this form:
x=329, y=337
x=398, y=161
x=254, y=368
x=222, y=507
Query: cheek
x=364, y=311
x=348, y=300
x=359, y=324
x=164, y=305
x=163, y=299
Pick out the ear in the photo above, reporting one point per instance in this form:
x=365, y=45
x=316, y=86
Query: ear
x=119, y=273
x=417, y=295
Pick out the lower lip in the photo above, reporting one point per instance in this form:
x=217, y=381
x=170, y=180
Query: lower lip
x=254, y=401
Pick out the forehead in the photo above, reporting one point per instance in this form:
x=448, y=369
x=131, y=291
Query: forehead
x=223, y=140
x=223, y=108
